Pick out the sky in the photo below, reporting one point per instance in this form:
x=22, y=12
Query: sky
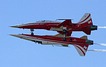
x=15, y=52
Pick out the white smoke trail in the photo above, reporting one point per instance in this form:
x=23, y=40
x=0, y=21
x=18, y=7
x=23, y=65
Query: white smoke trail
x=98, y=50
x=101, y=44
x=103, y=27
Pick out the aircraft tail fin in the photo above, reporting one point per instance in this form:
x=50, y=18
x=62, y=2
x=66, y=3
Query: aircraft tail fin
x=86, y=23
x=86, y=19
x=82, y=48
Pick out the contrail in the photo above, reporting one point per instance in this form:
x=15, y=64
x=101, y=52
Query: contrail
x=103, y=27
x=98, y=50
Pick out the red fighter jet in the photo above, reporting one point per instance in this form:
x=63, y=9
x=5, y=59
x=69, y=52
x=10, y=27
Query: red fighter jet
x=81, y=44
x=66, y=27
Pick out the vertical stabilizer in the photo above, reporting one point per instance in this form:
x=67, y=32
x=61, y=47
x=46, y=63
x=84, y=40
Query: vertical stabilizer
x=82, y=48
x=86, y=19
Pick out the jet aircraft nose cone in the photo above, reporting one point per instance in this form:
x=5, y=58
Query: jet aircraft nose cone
x=15, y=26
x=18, y=35
x=14, y=35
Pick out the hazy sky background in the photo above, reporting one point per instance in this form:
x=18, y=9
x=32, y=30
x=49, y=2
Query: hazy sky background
x=15, y=52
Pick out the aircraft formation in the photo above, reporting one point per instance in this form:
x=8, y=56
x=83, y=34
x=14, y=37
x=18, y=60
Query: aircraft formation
x=64, y=30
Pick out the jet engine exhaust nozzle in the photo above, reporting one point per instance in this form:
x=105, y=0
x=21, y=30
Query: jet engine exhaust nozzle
x=90, y=42
x=93, y=27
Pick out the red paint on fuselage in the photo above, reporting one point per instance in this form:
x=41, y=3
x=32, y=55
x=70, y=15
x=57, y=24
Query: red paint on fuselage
x=46, y=26
x=70, y=40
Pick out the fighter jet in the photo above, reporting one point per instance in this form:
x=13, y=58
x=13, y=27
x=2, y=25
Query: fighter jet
x=65, y=30
x=81, y=44
x=66, y=27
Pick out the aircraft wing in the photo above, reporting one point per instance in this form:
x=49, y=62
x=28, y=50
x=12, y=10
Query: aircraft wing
x=66, y=23
x=65, y=26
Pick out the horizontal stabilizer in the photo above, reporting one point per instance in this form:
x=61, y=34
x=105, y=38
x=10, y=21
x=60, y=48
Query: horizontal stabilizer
x=87, y=30
x=84, y=37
